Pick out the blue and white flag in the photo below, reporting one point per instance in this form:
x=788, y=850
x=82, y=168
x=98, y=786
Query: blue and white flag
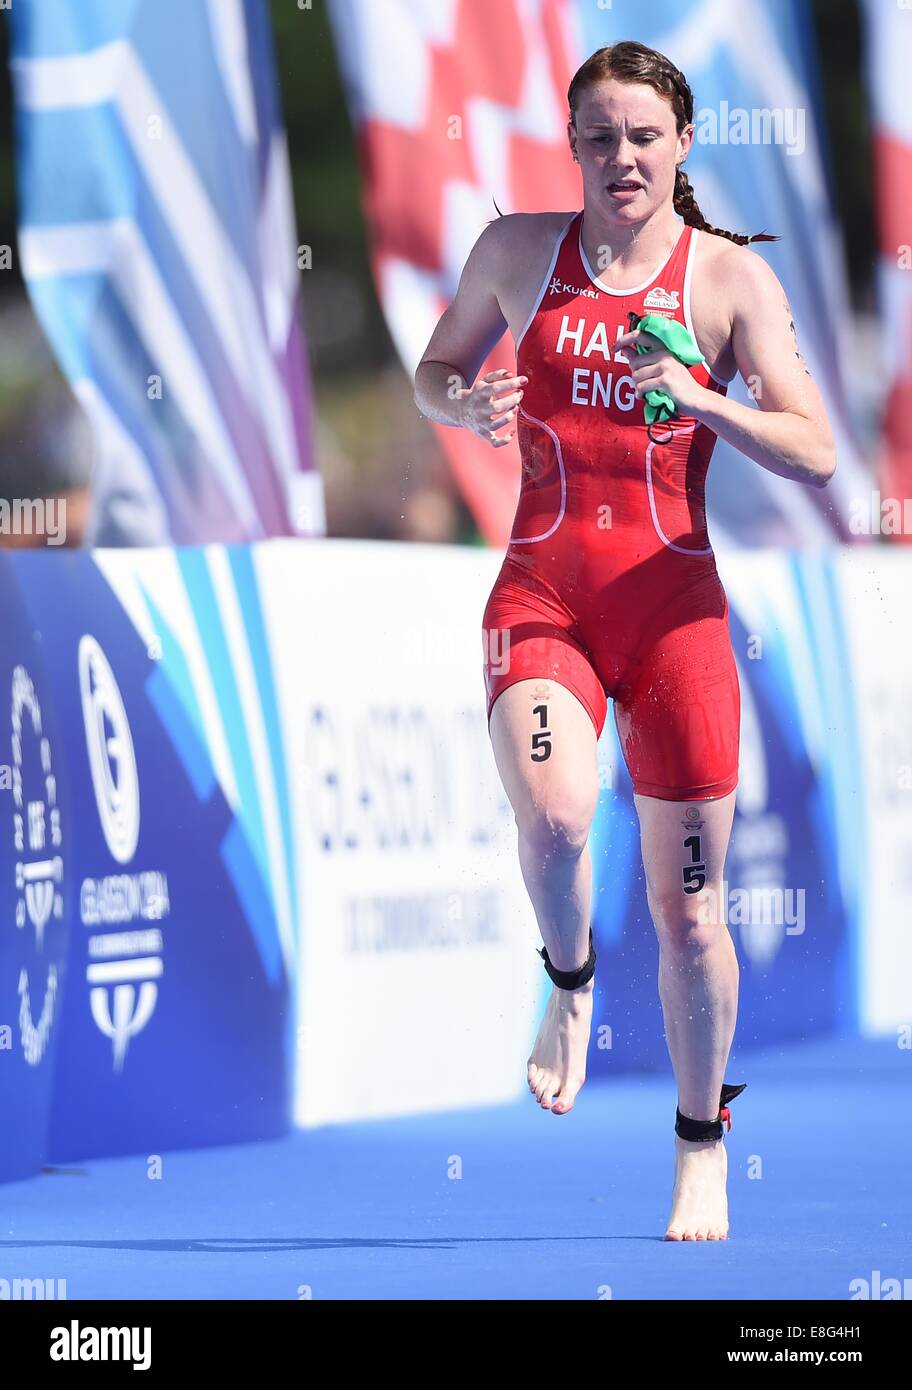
x=158, y=245
x=888, y=55
x=758, y=163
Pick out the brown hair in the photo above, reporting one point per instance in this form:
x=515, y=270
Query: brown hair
x=634, y=62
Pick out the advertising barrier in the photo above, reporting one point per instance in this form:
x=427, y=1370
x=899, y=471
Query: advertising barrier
x=258, y=867
x=874, y=614
x=174, y=1026
x=418, y=938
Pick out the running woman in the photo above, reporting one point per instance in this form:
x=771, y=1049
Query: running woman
x=609, y=585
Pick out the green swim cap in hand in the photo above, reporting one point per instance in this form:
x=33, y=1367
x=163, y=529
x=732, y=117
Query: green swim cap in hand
x=659, y=406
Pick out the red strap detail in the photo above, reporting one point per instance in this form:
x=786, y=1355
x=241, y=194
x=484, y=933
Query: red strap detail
x=725, y=1116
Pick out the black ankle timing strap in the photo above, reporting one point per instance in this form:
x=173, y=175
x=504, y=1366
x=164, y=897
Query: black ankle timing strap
x=699, y=1131
x=571, y=979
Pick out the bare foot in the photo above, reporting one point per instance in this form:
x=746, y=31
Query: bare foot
x=557, y=1066
x=699, y=1205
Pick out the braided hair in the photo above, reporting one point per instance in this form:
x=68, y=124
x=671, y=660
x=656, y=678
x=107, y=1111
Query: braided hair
x=634, y=62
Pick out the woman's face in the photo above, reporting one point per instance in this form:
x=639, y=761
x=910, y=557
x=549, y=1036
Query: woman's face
x=628, y=149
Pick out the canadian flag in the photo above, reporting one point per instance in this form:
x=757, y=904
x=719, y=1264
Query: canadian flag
x=457, y=104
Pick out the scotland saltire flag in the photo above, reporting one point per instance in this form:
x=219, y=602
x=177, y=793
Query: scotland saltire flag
x=461, y=104
x=158, y=245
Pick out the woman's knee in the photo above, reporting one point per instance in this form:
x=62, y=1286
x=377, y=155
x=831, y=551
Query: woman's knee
x=684, y=921
x=560, y=826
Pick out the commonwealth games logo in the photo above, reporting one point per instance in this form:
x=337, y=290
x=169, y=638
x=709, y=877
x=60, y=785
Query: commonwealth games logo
x=125, y=965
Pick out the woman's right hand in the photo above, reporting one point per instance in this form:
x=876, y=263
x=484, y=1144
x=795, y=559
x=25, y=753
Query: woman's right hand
x=490, y=404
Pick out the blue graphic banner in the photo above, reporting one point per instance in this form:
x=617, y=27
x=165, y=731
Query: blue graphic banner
x=175, y=1028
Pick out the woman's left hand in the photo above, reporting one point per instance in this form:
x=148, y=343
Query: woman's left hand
x=660, y=370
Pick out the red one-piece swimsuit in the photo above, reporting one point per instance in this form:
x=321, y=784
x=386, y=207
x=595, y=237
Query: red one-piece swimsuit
x=609, y=584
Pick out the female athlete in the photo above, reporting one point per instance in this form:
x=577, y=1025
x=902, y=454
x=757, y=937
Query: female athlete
x=609, y=585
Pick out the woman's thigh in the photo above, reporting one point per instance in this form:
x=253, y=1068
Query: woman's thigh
x=544, y=745
x=678, y=714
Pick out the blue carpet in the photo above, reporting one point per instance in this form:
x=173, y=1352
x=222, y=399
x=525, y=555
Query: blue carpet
x=546, y=1207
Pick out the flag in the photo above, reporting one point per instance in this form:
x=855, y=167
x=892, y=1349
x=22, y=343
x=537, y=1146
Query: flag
x=888, y=60
x=459, y=103
x=158, y=247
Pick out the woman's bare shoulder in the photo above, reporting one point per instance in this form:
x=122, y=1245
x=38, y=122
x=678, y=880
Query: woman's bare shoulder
x=518, y=231
x=718, y=265
x=729, y=280
x=521, y=247
x=733, y=266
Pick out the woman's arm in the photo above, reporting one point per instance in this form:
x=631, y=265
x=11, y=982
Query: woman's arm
x=463, y=338
x=789, y=433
